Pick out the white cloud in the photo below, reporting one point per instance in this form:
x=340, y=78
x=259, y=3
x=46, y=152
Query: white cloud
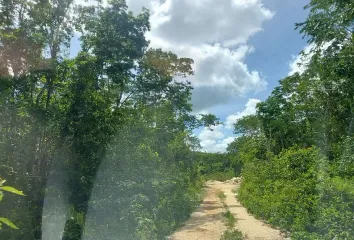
x=218, y=139
x=249, y=110
x=199, y=113
x=299, y=62
x=216, y=145
x=230, y=22
x=214, y=141
x=220, y=73
x=211, y=135
x=215, y=35
x=137, y=5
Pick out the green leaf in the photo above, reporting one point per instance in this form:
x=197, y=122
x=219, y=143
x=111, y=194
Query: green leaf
x=8, y=223
x=12, y=190
x=1, y=195
x=2, y=181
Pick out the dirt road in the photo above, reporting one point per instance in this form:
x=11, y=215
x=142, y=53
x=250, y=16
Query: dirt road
x=207, y=222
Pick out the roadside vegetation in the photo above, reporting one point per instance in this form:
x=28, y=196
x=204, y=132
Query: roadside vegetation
x=218, y=166
x=232, y=235
x=297, y=151
x=230, y=221
x=101, y=143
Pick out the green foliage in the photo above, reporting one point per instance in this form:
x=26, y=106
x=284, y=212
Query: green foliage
x=145, y=193
x=217, y=166
x=220, y=176
x=328, y=20
x=283, y=186
x=230, y=219
x=297, y=152
x=14, y=191
x=11, y=190
x=249, y=126
x=8, y=223
x=209, y=120
x=335, y=209
x=345, y=165
x=232, y=235
x=294, y=191
x=221, y=195
x=101, y=143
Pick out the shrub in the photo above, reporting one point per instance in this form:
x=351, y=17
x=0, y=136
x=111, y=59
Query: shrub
x=231, y=220
x=336, y=209
x=284, y=189
x=296, y=192
x=232, y=235
x=220, y=176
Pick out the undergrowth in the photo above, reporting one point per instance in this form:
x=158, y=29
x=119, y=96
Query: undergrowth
x=231, y=233
x=220, y=176
x=231, y=220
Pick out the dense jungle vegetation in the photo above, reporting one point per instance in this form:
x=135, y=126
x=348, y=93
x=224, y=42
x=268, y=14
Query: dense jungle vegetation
x=101, y=144
x=297, y=151
x=218, y=166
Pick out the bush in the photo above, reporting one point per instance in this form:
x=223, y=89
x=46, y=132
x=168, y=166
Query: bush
x=140, y=193
x=335, y=212
x=336, y=209
x=232, y=235
x=217, y=166
x=284, y=189
x=294, y=191
x=220, y=176
x=231, y=220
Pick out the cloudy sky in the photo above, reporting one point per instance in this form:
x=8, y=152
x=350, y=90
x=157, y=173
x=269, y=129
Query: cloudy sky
x=241, y=49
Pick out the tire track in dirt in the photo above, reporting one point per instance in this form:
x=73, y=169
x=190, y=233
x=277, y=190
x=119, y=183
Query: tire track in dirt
x=207, y=222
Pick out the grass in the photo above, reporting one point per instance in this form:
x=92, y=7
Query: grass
x=220, y=176
x=232, y=235
x=222, y=196
x=231, y=220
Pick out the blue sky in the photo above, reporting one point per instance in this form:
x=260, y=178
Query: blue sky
x=275, y=47
x=241, y=48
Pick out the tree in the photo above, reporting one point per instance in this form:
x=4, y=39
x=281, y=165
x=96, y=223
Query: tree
x=249, y=126
x=328, y=21
x=116, y=37
x=117, y=106
x=302, y=160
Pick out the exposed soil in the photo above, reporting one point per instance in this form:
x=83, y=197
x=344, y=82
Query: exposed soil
x=207, y=222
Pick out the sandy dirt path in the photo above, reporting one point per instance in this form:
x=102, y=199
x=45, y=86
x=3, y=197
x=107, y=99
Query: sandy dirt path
x=207, y=222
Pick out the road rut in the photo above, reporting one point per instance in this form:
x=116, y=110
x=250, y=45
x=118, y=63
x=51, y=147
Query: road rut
x=207, y=222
